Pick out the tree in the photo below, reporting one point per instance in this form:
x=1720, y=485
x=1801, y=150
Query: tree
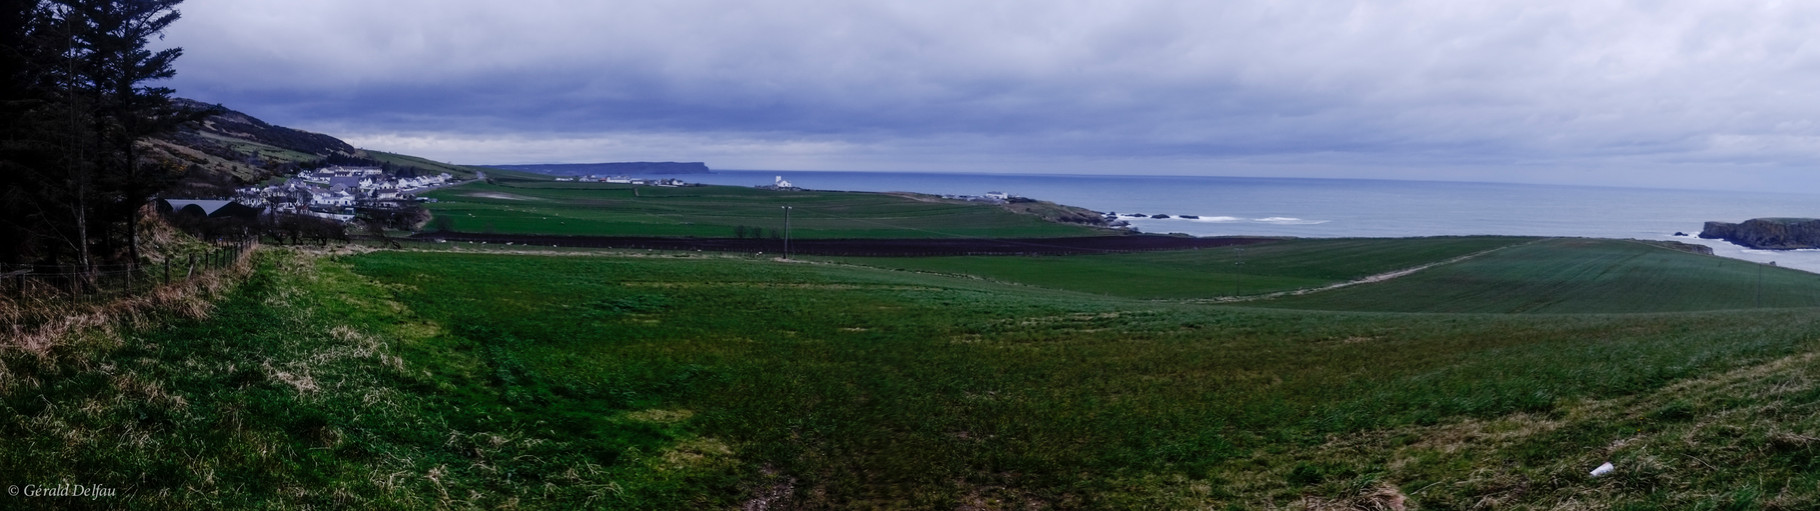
x=115, y=34
x=78, y=103
x=23, y=153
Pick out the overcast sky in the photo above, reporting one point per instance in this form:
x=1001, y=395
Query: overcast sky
x=1656, y=93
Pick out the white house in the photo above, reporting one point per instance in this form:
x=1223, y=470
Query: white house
x=337, y=199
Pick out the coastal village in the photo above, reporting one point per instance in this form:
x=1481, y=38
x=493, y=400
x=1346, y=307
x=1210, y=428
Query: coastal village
x=334, y=192
x=339, y=193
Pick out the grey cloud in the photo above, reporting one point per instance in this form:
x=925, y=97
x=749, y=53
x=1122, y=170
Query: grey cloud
x=1039, y=85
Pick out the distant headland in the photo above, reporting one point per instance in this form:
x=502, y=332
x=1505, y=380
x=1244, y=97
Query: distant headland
x=607, y=169
x=1767, y=233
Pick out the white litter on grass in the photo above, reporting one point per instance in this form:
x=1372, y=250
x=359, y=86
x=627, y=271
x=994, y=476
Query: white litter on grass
x=1603, y=469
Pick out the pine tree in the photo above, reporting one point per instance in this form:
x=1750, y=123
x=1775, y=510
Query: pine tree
x=115, y=35
x=77, y=102
x=23, y=153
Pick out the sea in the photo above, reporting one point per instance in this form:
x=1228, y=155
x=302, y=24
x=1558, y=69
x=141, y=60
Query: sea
x=1348, y=208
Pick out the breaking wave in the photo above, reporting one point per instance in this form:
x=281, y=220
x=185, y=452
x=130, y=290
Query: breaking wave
x=1284, y=220
x=1275, y=220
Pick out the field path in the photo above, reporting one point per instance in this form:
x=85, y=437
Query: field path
x=1370, y=279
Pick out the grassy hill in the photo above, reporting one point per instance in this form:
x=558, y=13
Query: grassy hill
x=233, y=148
x=420, y=379
x=519, y=204
x=426, y=165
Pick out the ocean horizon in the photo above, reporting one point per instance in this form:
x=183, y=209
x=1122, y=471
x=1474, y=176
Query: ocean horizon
x=1339, y=208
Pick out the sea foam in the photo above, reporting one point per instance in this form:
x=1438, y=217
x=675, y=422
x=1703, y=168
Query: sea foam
x=1284, y=220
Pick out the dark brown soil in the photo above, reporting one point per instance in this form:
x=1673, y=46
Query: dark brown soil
x=869, y=247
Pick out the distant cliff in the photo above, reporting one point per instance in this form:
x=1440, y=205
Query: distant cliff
x=612, y=169
x=1767, y=233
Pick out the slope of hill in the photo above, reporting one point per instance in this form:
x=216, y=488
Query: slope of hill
x=232, y=148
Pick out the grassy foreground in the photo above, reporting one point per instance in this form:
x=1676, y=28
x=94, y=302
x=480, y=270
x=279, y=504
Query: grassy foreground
x=517, y=206
x=414, y=380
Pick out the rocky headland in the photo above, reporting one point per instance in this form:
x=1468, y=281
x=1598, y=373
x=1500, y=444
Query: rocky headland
x=1767, y=233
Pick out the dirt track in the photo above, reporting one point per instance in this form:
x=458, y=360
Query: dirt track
x=869, y=247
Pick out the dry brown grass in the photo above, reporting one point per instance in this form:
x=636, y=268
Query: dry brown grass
x=1746, y=415
x=38, y=323
x=1379, y=497
x=40, y=327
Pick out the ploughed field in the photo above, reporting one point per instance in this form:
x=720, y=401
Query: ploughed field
x=627, y=380
x=519, y=205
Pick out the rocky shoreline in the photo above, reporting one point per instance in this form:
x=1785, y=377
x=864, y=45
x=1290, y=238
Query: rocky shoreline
x=1767, y=233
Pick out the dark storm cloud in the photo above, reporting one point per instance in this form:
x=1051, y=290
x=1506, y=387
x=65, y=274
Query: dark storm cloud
x=1514, y=90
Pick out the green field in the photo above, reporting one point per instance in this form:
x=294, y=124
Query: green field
x=1494, y=275
x=1208, y=273
x=519, y=205
x=632, y=381
x=1578, y=276
x=914, y=390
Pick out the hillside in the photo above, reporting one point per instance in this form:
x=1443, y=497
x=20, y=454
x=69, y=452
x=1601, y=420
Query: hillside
x=233, y=148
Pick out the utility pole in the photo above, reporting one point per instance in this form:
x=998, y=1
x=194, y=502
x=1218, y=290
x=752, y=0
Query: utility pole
x=786, y=233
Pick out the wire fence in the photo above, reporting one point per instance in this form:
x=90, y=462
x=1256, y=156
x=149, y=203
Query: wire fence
x=102, y=282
